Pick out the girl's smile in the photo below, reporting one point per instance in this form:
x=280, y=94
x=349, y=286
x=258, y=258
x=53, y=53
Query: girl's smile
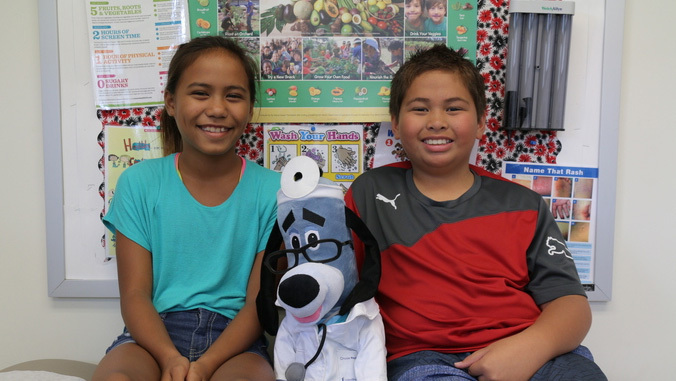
x=211, y=104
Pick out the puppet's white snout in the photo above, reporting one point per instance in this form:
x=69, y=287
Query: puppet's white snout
x=309, y=291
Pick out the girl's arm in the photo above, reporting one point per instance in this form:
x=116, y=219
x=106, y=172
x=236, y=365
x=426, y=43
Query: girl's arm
x=560, y=328
x=242, y=331
x=135, y=278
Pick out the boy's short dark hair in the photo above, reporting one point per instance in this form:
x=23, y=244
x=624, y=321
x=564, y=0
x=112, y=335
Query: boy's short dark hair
x=438, y=57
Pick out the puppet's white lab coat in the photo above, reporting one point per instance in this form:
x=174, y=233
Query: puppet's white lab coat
x=353, y=350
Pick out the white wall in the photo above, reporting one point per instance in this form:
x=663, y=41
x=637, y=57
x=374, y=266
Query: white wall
x=32, y=325
x=632, y=336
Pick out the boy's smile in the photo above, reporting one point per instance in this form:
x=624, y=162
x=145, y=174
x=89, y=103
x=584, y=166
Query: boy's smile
x=438, y=122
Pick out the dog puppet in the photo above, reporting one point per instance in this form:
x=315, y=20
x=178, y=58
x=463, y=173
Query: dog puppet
x=332, y=329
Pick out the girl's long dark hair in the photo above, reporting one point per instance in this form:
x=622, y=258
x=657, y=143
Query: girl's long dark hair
x=186, y=55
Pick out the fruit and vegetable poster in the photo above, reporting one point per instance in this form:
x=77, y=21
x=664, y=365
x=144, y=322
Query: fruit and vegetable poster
x=320, y=60
x=132, y=43
x=571, y=193
x=333, y=60
x=337, y=149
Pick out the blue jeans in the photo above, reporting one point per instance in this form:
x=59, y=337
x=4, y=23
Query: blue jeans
x=193, y=332
x=429, y=365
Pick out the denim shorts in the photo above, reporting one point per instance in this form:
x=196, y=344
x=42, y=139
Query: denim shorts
x=430, y=365
x=193, y=332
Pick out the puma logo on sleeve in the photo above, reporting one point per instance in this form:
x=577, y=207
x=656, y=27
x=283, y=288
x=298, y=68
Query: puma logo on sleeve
x=557, y=247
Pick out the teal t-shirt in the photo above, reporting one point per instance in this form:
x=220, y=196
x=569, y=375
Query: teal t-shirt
x=431, y=27
x=202, y=256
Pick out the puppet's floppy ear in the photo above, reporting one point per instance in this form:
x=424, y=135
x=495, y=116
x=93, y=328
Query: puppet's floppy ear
x=369, y=277
x=267, y=294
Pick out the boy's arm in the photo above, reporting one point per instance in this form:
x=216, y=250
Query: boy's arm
x=135, y=280
x=559, y=329
x=563, y=323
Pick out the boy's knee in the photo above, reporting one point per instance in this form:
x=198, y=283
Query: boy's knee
x=434, y=372
x=576, y=365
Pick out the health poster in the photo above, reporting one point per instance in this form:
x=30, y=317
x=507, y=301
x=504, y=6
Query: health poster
x=389, y=149
x=337, y=149
x=132, y=43
x=124, y=147
x=333, y=60
x=320, y=60
x=570, y=193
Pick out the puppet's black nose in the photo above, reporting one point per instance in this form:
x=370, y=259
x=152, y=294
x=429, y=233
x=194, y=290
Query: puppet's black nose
x=298, y=290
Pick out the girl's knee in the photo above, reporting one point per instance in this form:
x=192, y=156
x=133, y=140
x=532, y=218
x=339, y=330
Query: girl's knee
x=114, y=376
x=245, y=367
x=127, y=362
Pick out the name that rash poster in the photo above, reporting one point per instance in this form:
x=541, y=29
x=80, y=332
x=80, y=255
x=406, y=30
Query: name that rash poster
x=571, y=194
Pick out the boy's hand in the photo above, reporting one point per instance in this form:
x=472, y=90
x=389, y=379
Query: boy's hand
x=560, y=328
x=507, y=359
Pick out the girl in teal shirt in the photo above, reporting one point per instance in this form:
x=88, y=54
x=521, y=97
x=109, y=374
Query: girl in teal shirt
x=190, y=229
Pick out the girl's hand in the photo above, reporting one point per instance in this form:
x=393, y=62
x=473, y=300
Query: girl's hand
x=198, y=372
x=175, y=369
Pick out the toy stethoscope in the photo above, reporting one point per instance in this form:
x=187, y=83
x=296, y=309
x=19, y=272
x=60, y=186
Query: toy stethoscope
x=296, y=370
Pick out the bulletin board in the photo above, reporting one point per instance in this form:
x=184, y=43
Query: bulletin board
x=77, y=263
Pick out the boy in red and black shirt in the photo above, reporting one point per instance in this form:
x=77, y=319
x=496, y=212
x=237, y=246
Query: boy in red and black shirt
x=476, y=278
